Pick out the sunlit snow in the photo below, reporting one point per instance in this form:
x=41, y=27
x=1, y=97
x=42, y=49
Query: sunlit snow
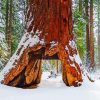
x=53, y=89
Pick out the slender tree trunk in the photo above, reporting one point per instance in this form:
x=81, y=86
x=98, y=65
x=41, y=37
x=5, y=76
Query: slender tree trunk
x=7, y=14
x=91, y=36
x=87, y=34
x=80, y=6
x=99, y=33
x=25, y=12
x=56, y=66
x=9, y=25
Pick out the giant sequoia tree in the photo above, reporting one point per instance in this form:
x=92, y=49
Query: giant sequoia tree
x=48, y=36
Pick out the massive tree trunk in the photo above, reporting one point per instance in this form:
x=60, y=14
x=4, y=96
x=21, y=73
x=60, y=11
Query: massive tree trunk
x=48, y=36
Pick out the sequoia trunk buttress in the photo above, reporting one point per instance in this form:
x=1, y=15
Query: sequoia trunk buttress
x=48, y=36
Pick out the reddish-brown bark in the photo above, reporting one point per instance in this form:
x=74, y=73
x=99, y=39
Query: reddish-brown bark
x=92, y=63
x=54, y=19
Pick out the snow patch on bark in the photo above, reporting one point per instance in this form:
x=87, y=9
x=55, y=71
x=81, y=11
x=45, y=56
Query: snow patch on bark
x=42, y=42
x=72, y=65
x=66, y=48
x=78, y=59
x=72, y=44
x=75, y=57
x=53, y=43
x=71, y=58
x=30, y=22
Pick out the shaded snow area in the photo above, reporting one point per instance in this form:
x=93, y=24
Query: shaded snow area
x=53, y=89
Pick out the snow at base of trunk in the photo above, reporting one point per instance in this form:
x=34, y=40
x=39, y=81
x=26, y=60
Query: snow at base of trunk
x=52, y=89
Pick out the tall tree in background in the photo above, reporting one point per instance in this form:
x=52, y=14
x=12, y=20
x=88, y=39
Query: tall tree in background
x=19, y=22
x=79, y=26
x=80, y=6
x=98, y=2
x=16, y=23
x=3, y=44
x=91, y=36
x=87, y=34
x=9, y=25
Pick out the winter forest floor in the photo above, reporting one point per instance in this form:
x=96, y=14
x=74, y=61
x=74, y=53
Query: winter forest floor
x=53, y=89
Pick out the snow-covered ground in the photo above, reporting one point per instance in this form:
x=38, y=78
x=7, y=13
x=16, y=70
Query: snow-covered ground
x=53, y=89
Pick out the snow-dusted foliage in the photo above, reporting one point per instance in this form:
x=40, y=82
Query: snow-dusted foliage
x=72, y=44
x=3, y=45
x=3, y=51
